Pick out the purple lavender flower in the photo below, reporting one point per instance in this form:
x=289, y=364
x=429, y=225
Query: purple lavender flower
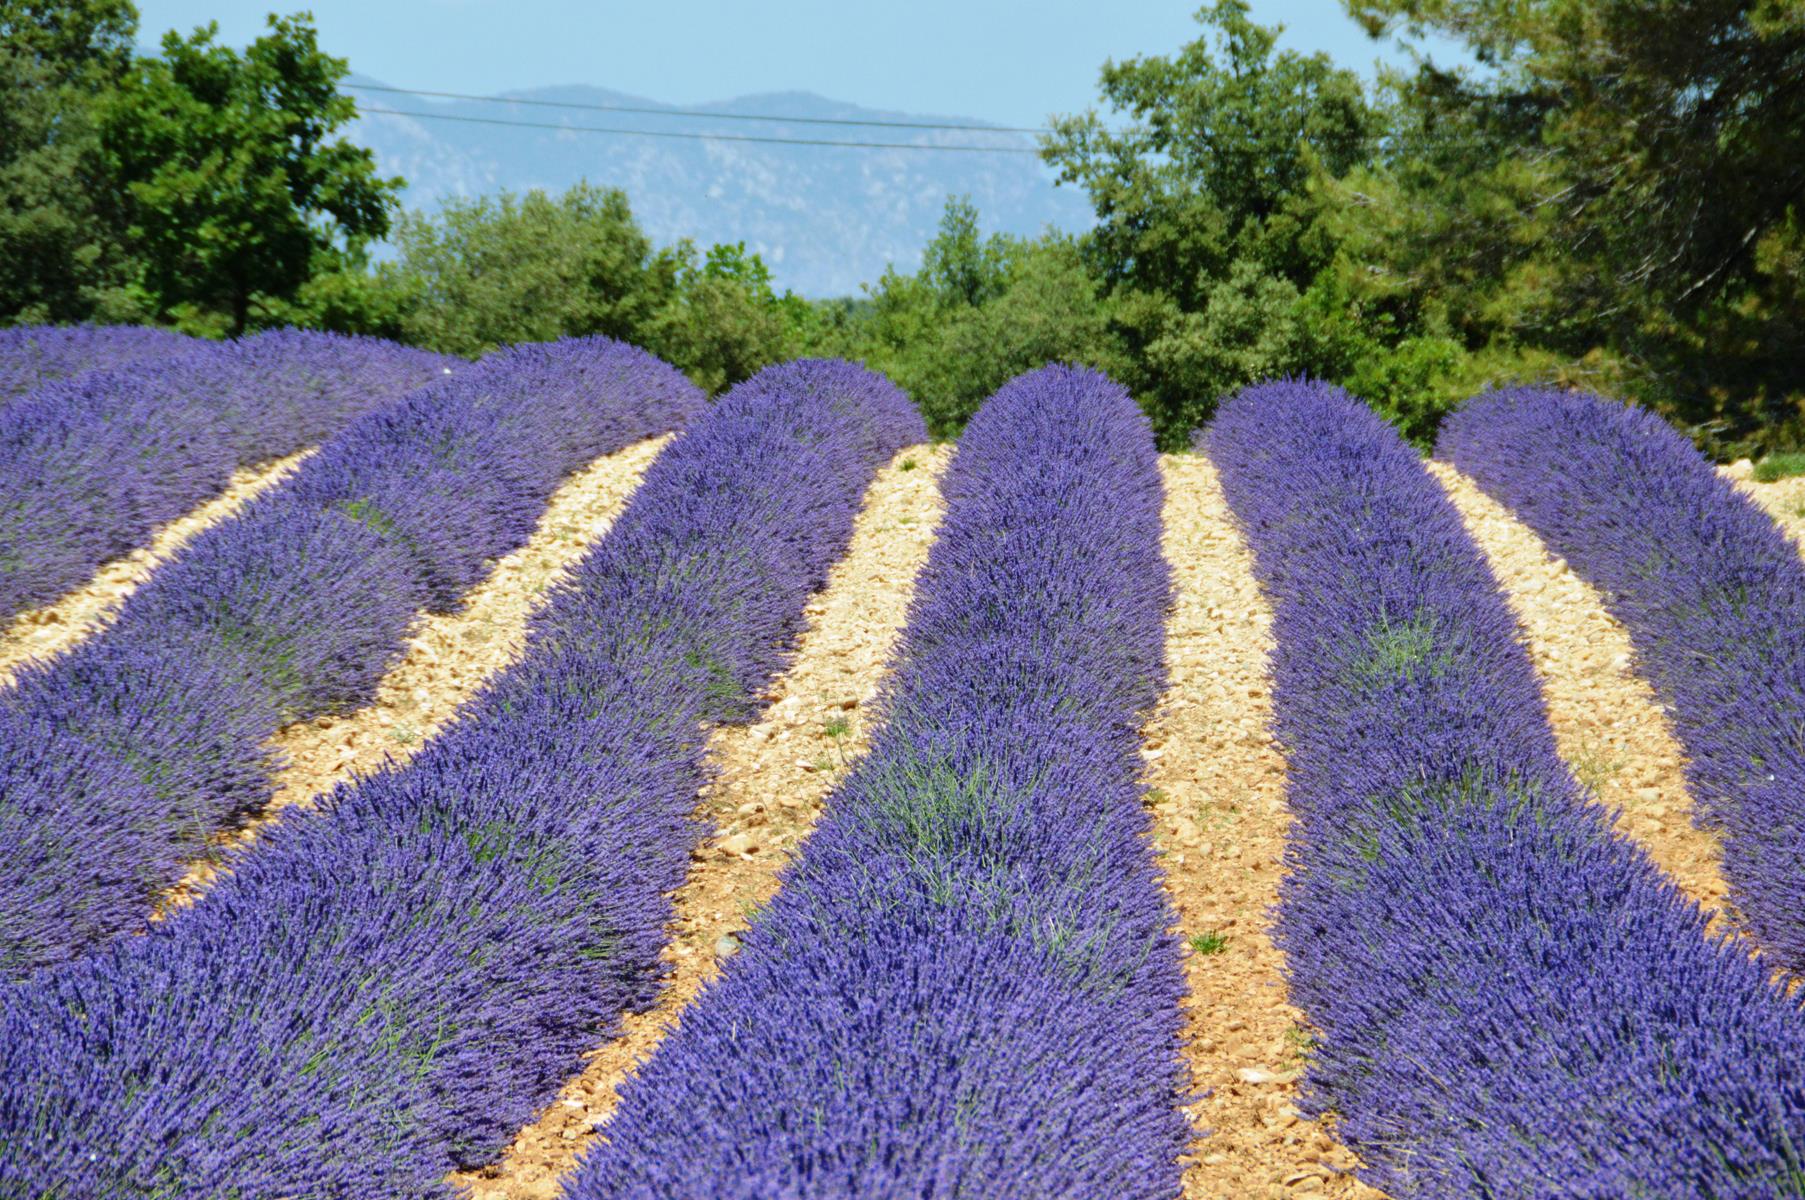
x=91, y=464
x=966, y=985
x=1511, y=999
x=33, y=355
x=386, y=988
x=1714, y=598
x=292, y=609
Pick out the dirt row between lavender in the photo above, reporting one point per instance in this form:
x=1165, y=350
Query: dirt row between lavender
x=769, y=783
x=449, y=657
x=1784, y=499
x=40, y=634
x=1606, y=720
x=1217, y=801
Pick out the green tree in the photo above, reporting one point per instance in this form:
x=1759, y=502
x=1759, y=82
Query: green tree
x=1210, y=229
x=59, y=258
x=1214, y=162
x=492, y=271
x=231, y=187
x=979, y=311
x=725, y=321
x=1616, y=193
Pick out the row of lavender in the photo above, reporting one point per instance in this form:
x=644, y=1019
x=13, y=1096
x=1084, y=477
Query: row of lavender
x=1511, y=999
x=966, y=985
x=1714, y=598
x=118, y=431
x=118, y=760
x=391, y=985
x=34, y=355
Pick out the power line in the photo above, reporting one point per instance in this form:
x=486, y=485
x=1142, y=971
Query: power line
x=685, y=113
x=703, y=137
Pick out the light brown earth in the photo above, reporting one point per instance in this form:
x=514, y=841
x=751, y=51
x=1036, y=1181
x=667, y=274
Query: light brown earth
x=40, y=634
x=770, y=781
x=1784, y=499
x=1220, y=821
x=448, y=659
x=1606, y=720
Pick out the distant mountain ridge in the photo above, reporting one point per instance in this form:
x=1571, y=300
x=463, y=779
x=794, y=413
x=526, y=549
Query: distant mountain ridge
x=825, y=220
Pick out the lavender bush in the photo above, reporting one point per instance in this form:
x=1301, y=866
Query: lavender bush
x=1714, y=598
x=285, y=389
x=293, y=609
x=1511, y=999
x=966, y=986
x=391, y=985
x=33, y=355
x=91, y=465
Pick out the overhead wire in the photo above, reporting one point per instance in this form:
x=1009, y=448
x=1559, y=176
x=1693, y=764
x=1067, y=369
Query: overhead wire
x=702, y=137
x=869, y=122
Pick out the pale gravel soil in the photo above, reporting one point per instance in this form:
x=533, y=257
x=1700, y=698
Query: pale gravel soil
x=1220, y=823
x=769, y=782
x=40, y=634
x=1606, y=720
x=450, y=656
x=1784, y=499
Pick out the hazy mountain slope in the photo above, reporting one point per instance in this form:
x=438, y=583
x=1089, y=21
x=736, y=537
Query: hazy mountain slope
x=824, y=219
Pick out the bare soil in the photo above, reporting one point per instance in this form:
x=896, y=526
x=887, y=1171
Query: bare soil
x=770, y=782
x=40, y=634
x=448, y=659
x=1784, y=499
x=1220, y=823
x=1606, y=720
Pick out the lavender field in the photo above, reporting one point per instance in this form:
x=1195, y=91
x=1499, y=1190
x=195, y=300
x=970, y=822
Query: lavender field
x=550, y=781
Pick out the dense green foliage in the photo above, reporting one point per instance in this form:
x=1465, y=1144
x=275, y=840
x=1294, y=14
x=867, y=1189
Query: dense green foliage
x=200, y=187
x=233, y=189
x=495, y=271
x=60, y=258
x=1608, y=195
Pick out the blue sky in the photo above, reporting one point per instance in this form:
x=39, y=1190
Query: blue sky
x=1009, y=61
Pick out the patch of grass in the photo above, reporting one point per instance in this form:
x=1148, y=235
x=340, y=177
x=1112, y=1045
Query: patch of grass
x=1593, y=768
x=1213, y=941
x=365, y=512
x=908, y=464
x=1400, y=649
x=837, y=728
x=1776, y=467
x=406, y=735
x=1302, y=1044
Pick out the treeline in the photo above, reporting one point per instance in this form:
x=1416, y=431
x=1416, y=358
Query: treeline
x=1609, y=198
